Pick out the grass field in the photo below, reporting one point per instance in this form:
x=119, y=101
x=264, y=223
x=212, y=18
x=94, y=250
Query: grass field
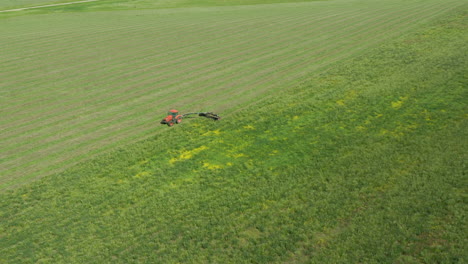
x=344, y=137
x=75, y=84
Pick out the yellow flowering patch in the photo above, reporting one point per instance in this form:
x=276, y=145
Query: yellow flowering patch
x=340, y=102
x=249, y=127
x=360, y=128
x=180, y=182
x=141, y=174
x=188, y=154
x=427, y=115
x=210, y=166
x=350, y=95
x=212, y=133
x=384, y=131
x=399, y=103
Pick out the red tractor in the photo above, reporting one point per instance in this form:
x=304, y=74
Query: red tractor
x=172, y=118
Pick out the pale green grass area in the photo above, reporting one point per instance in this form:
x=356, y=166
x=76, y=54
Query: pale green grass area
x=74, y=85
x=10, y=4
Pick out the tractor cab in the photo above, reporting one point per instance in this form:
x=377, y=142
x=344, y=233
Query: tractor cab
x=173, y=113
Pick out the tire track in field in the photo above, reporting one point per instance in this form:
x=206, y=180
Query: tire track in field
x=355, y=33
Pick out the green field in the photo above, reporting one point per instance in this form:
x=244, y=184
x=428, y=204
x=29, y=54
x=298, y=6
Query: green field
x=344, y=137
x=76, y=84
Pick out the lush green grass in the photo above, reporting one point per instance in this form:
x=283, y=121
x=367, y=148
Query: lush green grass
x=77, y=84
x=362, y=163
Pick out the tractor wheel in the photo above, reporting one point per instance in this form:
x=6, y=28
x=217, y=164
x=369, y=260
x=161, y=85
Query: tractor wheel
x=170, y=124
x=178, y=121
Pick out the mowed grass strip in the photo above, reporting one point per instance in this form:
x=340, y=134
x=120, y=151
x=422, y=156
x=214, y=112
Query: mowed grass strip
x=107, y=109
x=10, y=4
